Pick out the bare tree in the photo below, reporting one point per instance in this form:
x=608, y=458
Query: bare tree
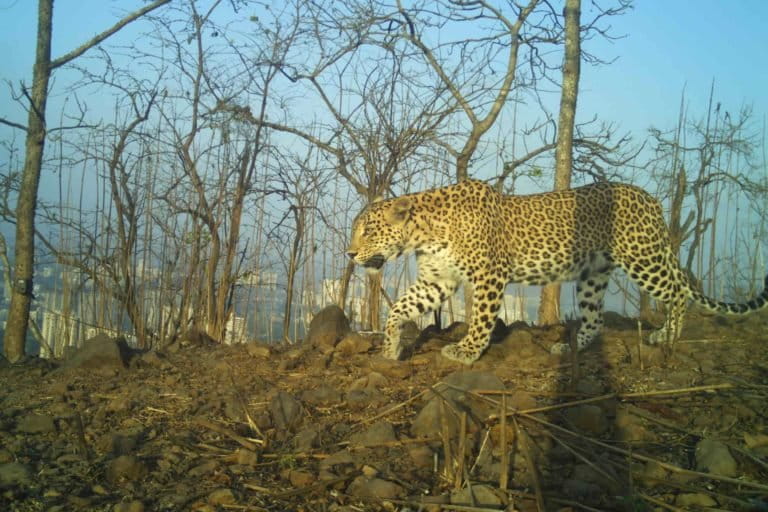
x=549, y=307
x=21, y=295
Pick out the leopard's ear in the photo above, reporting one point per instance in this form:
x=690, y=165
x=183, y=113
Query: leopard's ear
x=399, y=210
x=377, y=199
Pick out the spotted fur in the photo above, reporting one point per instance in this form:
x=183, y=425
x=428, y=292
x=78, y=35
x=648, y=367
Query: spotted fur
x=471, y=232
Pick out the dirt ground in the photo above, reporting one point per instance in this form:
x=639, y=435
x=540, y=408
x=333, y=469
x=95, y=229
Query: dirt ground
x=197, y=426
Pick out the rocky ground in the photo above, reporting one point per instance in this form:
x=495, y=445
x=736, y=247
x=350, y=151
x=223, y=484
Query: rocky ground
x=330, y=426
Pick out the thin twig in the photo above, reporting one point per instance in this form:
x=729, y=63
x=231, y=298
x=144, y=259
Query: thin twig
x=504, y=475
x=522, y=437
x=252, y=445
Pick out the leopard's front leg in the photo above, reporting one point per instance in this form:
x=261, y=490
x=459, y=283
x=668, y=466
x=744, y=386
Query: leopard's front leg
x=422, y=297
x=486, y=302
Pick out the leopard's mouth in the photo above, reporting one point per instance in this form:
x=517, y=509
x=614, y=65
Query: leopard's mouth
x=375, y=262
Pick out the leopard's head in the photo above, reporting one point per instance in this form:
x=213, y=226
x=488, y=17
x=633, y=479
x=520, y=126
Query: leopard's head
x=379, y=232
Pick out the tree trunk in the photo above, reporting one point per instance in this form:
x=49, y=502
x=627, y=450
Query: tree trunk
x=21, y=293
x=549, y=307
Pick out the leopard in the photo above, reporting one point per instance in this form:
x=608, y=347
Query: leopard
x=470, y=232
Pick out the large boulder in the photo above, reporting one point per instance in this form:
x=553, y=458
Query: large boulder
x=328, y=326
x=429, y=420
x=102, y=354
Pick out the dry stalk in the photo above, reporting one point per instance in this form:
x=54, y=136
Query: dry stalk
x=643, y=458
x=396, y=407
x=504, y=476
x=655, y=501
x=252, y=445
x=579, y=456
x=522, y=437
x=443, y=506
x=446, y=435
x=461, y=455
x=640, y=344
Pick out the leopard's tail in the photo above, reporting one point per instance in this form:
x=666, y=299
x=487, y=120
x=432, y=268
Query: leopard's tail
x=732, y=308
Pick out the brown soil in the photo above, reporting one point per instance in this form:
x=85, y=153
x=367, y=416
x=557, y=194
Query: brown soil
x=203, y=427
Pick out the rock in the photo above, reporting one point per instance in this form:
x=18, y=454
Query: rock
x=590, y=386
x=286, y=411
x=428, y=421
x=714, y=457
x=154, y=359
x=15, y=474
x=339, y=463
x=125, y=468
x=301, y=478
x=476, y=496
x=222, y=497
x=246, y=457
x=322, y=395
x=258, y=350
x=421, y=456
x=694, y=500
x=124, y=442
x=630, y=428
x=456, y=331
x=581, y=490
x=129, y=506
x=203, y=469
x=393, y=369
x=101, y=354
x=377, y=434
x=196, y=338
x=358, y=399
x=587, y=418
x=364, y=487
x=327, y=327
x=353, y=343
x=372, y=381
x=36, y=424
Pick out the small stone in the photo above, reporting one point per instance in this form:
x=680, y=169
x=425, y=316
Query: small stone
x=421, y=456
x=258, y=350
x=587, y=418
x=714, y=457
x=393, y=369
x=377, y=434
x=358, y=399
x=36, y=424
x=305, y=439
x=203, y=469
x=589, y=386
x=301, y=478
x=372, y=381
x=353, y=343
x=286, y=411
x=246, y=457
x=688, y=500
x=15, y=473
x=476, y=496
x=125, y=468
x=375, y=488
x=222, y=497
x=580, y=489
x=130, y=506
x=322, y=395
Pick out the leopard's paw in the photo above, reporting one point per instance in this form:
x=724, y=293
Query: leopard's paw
x=455, y=352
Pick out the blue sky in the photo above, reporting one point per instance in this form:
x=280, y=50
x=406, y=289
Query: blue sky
x=668, y=45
